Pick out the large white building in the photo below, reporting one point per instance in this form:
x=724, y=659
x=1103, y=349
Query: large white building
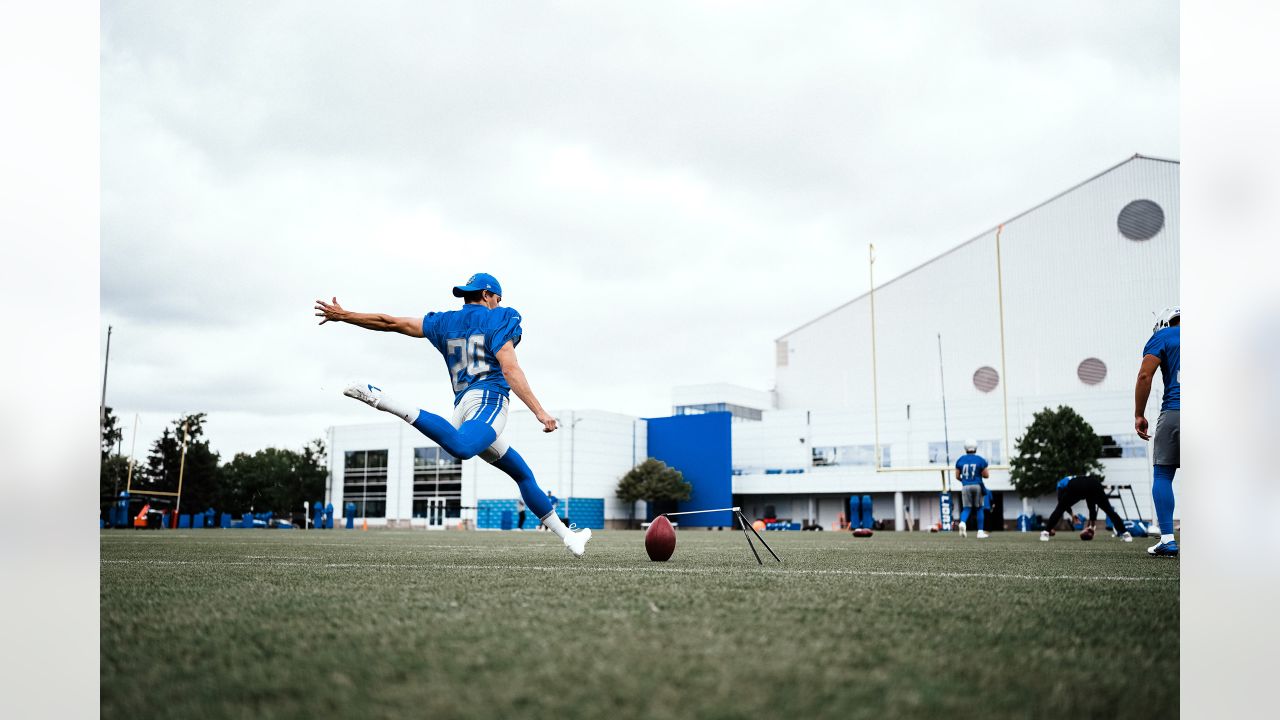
x=1073, y=281
x=1080, y=274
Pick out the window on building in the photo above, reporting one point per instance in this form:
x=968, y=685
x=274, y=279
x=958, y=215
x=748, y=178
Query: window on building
x=850, y=455
x=1122, y=446
x=738, y=411
x=364, y=481
x=437, y=475
x=988, y=449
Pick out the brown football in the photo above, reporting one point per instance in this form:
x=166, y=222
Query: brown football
x=660, y=539
x=862, y=532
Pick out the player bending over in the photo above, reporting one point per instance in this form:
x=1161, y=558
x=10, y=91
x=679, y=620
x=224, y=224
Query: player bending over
x=1073, y=489
x=971, y=468
x=478, y=344
x=1163, y=350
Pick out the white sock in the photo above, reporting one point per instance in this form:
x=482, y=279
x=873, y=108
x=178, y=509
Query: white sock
x=555, y=524
x=1166, y=538
x=405, y=411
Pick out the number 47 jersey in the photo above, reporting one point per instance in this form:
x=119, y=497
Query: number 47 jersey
x=469, y=339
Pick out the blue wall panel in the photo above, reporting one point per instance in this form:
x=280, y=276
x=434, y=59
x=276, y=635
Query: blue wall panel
x=583, y=512
x=699, y=446
x=587, y=512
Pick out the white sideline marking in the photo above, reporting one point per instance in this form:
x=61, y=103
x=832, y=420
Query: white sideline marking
x=686, y=571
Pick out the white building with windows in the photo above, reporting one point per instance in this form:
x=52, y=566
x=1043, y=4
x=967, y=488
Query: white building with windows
x=393, y=475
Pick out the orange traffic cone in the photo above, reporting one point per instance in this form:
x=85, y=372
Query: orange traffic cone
x=365, y=525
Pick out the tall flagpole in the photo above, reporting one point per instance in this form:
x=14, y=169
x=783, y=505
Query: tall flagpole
x=102, y=406
x=875, y=388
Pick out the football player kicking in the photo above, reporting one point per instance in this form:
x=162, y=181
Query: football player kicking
x=478, y=344
x=1073, y=489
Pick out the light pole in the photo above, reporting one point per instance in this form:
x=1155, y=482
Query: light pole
x=573, y=434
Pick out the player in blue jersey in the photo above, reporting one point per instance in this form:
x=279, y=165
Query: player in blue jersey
x=971, y=468
x=1162, y=351
x=478, y=345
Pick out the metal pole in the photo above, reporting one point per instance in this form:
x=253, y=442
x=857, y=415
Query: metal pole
x=946, y=441
x=946, y=438
x=573, y=437
x=182, y=466
x=128, y=483
x=743, y=522
x=875, y=390
x=102, y=406
x=695, y=512
x=1004, y=380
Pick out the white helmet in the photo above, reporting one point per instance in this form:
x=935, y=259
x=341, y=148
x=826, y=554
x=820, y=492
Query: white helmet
x=1165, y=317
x=971, y=446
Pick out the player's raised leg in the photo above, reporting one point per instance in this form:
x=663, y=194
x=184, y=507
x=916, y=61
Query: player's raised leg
x=510, y=462
x=464, y=440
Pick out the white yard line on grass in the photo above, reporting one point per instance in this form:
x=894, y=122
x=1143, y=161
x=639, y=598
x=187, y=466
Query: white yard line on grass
x=686, y=571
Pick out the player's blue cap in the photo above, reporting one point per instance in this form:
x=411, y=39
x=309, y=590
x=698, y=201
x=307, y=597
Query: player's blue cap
x=479, y=281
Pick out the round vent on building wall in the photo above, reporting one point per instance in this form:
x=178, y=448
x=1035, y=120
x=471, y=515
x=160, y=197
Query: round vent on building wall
x=1091, y=371
x=986, y=378
x=1140, y=220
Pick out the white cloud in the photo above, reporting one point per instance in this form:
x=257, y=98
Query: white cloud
x=662, y=188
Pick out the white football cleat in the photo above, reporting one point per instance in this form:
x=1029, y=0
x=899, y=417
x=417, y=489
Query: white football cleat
x=1044, y=536
x=964, y=532
x=365, y=393
x=1127, y=537
x=983, y=534
x=576, y=542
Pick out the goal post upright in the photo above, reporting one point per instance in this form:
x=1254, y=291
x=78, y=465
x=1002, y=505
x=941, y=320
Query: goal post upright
x=1004, y=377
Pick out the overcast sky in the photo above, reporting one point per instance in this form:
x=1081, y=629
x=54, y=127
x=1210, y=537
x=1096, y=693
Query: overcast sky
x=662, y=188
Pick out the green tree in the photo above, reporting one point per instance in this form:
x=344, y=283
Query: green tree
x=199, y=473
x=1056, y=444
x=111, y=432
x=652, y=481
x=113, y=468
x=274, y=479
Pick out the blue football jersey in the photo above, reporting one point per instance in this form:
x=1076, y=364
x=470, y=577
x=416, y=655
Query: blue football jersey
x=1165, y=344
x=971, y=467
x=469, y=340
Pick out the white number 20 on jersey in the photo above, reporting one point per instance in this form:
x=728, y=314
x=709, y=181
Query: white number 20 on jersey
x=467, y=355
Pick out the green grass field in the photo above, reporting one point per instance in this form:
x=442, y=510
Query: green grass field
x=275, y=623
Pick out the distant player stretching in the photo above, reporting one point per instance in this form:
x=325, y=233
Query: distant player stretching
x=1164, y=351
x=478, y=344
x=1074, y=488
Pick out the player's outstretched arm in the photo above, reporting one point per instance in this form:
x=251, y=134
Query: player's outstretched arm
x=520, y=386
x=1142, y=393
x=333, y=312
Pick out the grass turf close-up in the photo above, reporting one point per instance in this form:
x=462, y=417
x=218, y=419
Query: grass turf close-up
x=258, y=623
